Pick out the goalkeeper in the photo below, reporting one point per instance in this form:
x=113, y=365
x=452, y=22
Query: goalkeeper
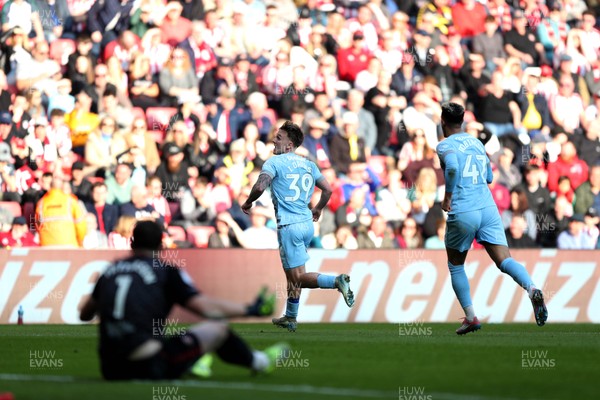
x=134, y=296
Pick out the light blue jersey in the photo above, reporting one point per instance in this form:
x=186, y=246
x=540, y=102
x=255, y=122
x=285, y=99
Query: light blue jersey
x=474, y=172
x=292, y=187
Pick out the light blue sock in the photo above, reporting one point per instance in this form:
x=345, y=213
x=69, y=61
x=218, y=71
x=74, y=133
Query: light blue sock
x=460, y=284
x=291, y=310
x=518, y=273
x=326, y=281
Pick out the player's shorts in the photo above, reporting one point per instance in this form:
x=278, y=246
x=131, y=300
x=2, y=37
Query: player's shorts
x=294, y=240
x=177, y=356
x=484, y=225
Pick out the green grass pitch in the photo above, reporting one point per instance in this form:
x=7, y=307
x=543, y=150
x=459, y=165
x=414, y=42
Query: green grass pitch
x=330, y=361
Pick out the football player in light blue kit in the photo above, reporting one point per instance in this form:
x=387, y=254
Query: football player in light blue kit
x=472, y=213
x=292, y=180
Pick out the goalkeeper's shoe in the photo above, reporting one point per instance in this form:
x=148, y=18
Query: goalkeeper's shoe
x=263, y=305
x=342, y=283
x=202, y=367
x=276, y=354
x=286, y=322
x=539, y=307
x=468, y=326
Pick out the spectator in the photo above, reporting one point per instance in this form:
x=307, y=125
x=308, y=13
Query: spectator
x=361, y=177
x=196, y=208
x=199, y=50
x=354, y=212
x=157, y=52
x=353, y=59
x=538, y=197
x=80, y=186
x=256, y=151
x=238, y=165
x=587, y=195
x=279, y=74
x=258, y=235
x=173, y=173
x=578, y=236
x=509, y=172
x=106, y=214
x=490, y=43
x=424, y=194
x=94, y=239
x=39, y=72
x=564, y=189
x=120, y=237
x=7, y=175
x=205, y=151
x=415, y=150
x=554, y=223
x=139, y=206
x=107, y=19
x=175, y=28
x=519, y=43
x=119, y=185
x=377, y=236
x=409, y=237
x=220, y=195
x=257, y=106
x=469, y=18
x=367, y=130
x=177, y=80
x=520, y=206
x=143, y=85
x=367, y=79
x=22, y=14
x=157, y=200
x=342, y=238
x=392, y=201
x=515, y=234
x=347, y=147
x=141, y=147
x=322, y=109
x=224, y=236
x=317, y=144
x=566, y=107
x=437, y=242
x=225, y=118
x=18, y=236
x=62, y=100
x=497, y=107
x=325, y=79
x=569, y=165
x=59, y=218
x=582, y=54
x=81, y=121
x=298, y=93
x=103, y=146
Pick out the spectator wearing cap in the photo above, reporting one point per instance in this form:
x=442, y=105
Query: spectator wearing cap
x=60, y=220
x=552, y=33
x=521, y=43
x=226, y=119
x=199, y=51
x=177, y=79
x=316, y=143
x=216, y=80
x=173, y=172
x=566, y=107
x=80, y=186
x=440, y=14
x=174, y=27
x=103, y=146
x=569, y=165
x=18, y=236
x=106, y=214
x=422, y=51
x=578, y=236
x=587, y=195
x=490, y=44
x=299, y=33
x=353, y=59
x=538, y=196
x=297, y=93
x=363, y=24
x=347, y=147
x=120, y=182
x=468, y=17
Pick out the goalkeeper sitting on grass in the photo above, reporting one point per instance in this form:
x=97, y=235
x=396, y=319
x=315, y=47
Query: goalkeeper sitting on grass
x=135, y=295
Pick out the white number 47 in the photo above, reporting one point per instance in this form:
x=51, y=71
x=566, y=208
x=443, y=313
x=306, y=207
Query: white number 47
x=471, y=169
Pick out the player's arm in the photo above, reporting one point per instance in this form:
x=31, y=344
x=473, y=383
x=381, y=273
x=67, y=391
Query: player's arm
x=490, y=174
x=326, y=192
x=262, y=183
x=88, y=310
x=451, y=177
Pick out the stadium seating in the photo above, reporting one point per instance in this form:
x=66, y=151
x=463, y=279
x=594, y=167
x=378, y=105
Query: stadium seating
x=199, y=235
x=12, y=206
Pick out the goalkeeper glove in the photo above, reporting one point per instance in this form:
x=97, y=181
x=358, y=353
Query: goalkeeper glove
x=263, y=305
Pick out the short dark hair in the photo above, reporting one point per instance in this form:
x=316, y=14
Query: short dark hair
x=294, y=132
x=147, y=235
x=453, y=114
x=97, y=185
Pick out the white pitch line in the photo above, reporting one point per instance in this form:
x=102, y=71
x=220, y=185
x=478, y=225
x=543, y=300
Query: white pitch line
x=293, y=389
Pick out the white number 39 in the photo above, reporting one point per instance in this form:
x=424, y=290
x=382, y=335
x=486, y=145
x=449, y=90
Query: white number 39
x=306, y=182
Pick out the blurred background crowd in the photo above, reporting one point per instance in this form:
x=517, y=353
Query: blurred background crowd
x=113, y=111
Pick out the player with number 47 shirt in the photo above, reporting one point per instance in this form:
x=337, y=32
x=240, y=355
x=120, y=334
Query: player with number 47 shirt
x=292, y=180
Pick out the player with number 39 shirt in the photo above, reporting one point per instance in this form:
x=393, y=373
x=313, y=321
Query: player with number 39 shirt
x=472, y=214
x=292, y=180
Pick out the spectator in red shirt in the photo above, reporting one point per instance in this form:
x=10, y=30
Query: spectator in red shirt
x=353, y=59
x=569, y=165
x=202, y=56
x=18, y=236
x=175, y=28
x=124, y=48
x=469, y=18
x=500, y=193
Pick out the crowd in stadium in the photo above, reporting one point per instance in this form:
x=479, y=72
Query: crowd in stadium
x=117, y=111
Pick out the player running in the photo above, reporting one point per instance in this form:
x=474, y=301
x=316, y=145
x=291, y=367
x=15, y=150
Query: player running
x=292, y=180
x=472, y=213
x=134, y=295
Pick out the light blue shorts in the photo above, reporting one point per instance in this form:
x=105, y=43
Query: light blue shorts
x=294, y=240
x=484, y=225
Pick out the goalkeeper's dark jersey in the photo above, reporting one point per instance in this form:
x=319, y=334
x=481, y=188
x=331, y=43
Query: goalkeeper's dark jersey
x=135, y=296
